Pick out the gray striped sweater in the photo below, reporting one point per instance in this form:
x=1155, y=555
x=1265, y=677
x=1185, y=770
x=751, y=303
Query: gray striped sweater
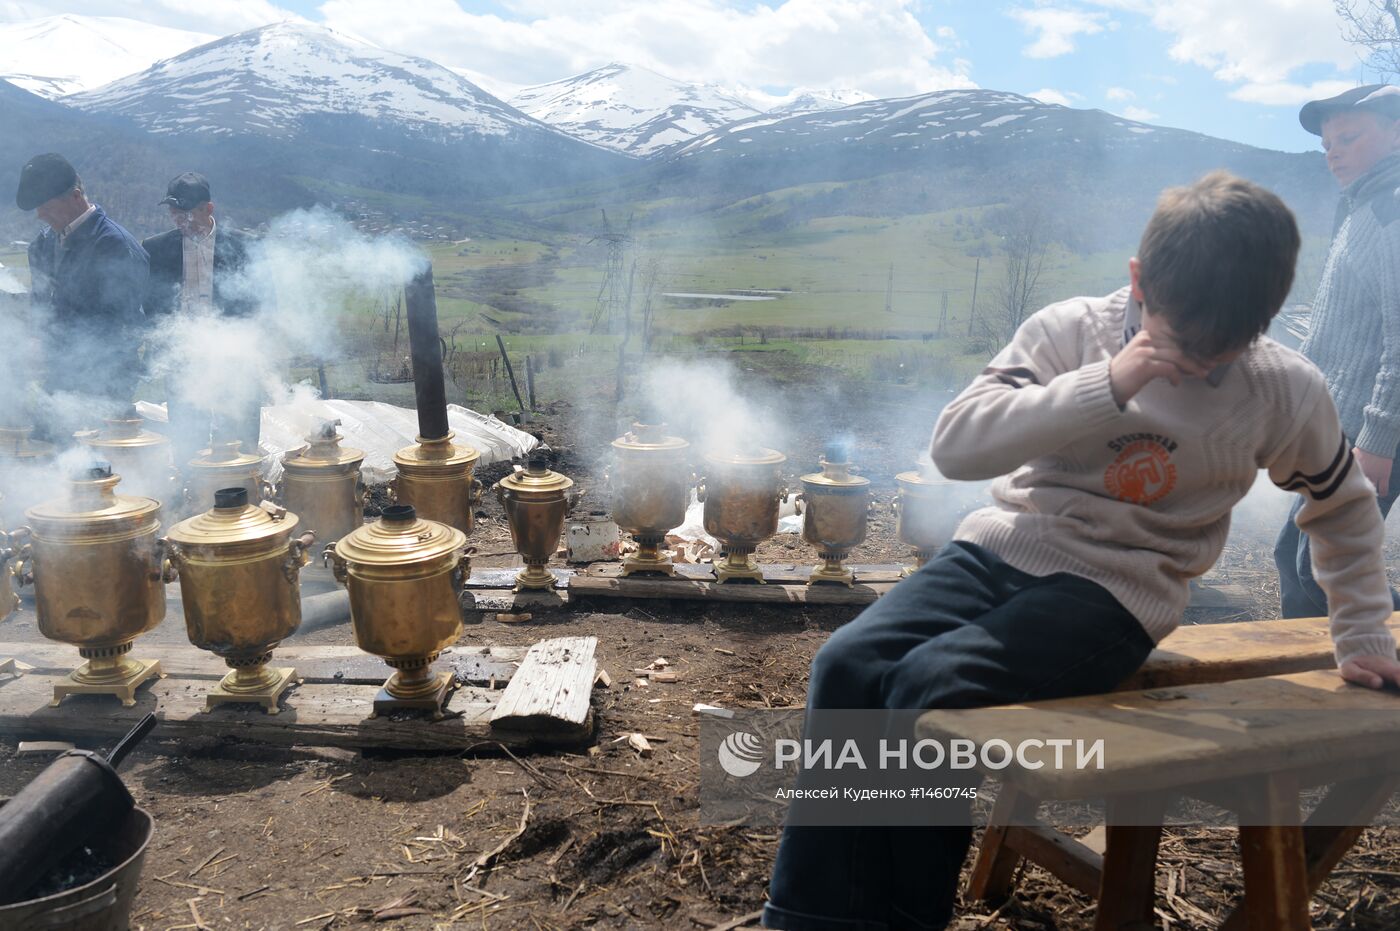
x=1355, y=334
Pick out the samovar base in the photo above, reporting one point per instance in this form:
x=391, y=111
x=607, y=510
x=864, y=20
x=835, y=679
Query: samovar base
x=428, y=694
x=122, y=681
x=738, y=567
x=265, y=690
x=534, y=578
x=650, y=557
x=832, y=572
x=921, y=558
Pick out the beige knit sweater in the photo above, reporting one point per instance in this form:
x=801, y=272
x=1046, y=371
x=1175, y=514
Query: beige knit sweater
x=1138, y=499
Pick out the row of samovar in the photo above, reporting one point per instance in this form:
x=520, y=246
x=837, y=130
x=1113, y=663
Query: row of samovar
x=743, y=492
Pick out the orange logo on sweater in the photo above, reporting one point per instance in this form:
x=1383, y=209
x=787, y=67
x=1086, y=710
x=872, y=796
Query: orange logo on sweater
x=1142, y=473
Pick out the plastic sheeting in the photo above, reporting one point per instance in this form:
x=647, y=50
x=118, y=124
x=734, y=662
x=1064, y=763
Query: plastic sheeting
x=377, y=428
x=694, y=544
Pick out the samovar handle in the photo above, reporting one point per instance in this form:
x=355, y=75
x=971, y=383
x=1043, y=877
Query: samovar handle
x=700, y=490
x=502, y=492
x=6, y=554
x=798, y=503
x=475, y=493
x=269, y=492
x=21, y=570
x=298, y=555
x=463, y=570
x=336, y=563
x=169, y=559
x=574, y=496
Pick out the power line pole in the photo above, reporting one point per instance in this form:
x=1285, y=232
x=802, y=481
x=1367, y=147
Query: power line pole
x=943, y=316
x=972, y=314
x=610, y=305
x=889, y=291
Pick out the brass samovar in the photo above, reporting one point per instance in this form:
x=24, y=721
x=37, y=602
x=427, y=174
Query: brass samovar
x=321, y=485
x=837, y=505
x=405, y=576
x=650, y=485
x=923, y=508
x=742, y=491
x=98, y=573
x=239, y=570
x=141, y=457
x=22, y=462
x=435, y=479
x=222, y=465
x=536, y=500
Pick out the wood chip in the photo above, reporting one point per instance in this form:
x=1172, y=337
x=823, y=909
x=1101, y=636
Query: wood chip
x=640, y=683
x=640, y=744
x=660, y=662
x=665, y=677
x=43, y=746
x=602, y=680
x=514, y=618
x=723, y=652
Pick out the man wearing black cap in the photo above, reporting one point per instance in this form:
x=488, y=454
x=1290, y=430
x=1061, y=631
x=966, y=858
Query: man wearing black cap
x=198, y=267
x=1355, y=333
x=88, y=278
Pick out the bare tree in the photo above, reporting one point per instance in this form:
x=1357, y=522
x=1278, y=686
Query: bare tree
x=1374, y=25
x=1017, y=294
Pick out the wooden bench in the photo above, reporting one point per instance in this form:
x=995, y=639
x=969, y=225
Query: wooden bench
x=1190, y=656
x=1248, y=746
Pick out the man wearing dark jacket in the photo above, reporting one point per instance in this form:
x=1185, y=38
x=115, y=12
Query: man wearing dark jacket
x=88, y=277
x=199, y=268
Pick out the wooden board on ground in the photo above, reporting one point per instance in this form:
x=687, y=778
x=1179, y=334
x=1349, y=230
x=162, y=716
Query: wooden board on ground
x=332, y=665
x=773, y=572
x=505, y=578
x=503, y=599
x=1167, y=739
x=750, y=592
x=328, y=714
x=553, y=684
x=1246, y=650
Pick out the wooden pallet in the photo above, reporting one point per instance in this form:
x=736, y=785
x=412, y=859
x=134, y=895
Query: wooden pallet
x=330, y=709
x=784, y=584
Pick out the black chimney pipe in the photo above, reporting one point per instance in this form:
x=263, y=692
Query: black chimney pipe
x=425, y=346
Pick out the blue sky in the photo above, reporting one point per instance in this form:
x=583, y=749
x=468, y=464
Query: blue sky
x=1238, y=69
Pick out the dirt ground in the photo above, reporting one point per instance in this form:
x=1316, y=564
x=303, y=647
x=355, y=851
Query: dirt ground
x=251, y=837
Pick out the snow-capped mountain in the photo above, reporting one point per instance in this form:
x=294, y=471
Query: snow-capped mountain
x=632, y=109
x=269, y=81
x=59, y=55
x=912, y=123
x=812, y=101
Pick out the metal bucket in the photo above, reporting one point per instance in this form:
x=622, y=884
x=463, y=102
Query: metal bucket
x=104, y=904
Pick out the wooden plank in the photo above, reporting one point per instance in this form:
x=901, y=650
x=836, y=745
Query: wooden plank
x=311, y=715
x=1066, y=858
x=995, y=868
x=1275, y=859
x=1127, y=885
x=773, y=572
x=343, y=665
x=553, y=684
x=492, y=577
x=687, y=589
x=1168, y=739
x=1247, y=650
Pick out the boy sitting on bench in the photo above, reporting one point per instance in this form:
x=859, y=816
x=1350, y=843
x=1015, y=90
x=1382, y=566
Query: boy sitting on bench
x=1125, y=428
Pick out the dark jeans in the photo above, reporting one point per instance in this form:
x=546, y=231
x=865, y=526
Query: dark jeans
x=1299, y=593
x=965, y=631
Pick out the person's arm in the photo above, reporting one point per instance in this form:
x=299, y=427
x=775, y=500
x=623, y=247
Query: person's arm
x=1380, y=425
x=1032, y=399
x=1340, y=515
x=121, y=272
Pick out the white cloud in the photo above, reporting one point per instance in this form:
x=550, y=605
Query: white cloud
x=1050, y=95
x=1119, y=93
x=1256, y=44
x=1141, y=114
x=876, y=45
x=1056, y=29
x=214, y=16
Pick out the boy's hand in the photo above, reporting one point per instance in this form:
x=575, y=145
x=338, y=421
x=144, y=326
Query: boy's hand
x=1374, y=672
x=1142, y=361
x=1376, y=468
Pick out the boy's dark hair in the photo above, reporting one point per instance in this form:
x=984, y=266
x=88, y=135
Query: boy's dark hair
x=1216, y=262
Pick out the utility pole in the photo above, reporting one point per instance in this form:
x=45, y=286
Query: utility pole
x=889, y=291
x=972, y=314
x=943, y=316
x=610, y=295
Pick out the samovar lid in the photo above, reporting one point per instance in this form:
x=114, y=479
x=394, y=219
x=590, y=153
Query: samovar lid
x=233, y=520
x=758, y=455
x=323, y=450
x=92, y=501
x=400, y=537
x=649, y=437
x=124, y=432
x=436, y=455
x=917, y=477
x=536, y=478
x=16, y=444
x=226, y=457
x=836, y=471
